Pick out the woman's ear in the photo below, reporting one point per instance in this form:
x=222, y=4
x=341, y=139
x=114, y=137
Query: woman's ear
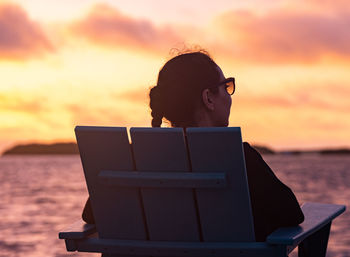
x=207, y=99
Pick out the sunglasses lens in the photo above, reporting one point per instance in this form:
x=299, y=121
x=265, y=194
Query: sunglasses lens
x=230, y=87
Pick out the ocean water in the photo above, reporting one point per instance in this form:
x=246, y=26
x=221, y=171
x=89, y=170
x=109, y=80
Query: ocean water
x=41, y=195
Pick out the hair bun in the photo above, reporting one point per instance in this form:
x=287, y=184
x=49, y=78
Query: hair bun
x=156, y=106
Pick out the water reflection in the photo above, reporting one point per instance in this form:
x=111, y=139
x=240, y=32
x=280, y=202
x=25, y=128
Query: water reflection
x=40, y=195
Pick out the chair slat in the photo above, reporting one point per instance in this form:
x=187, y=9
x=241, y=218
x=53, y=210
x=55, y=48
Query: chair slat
x=162, y=179
x=118, y=211
x=220, y=149
x=185, y=249
x=170, y=213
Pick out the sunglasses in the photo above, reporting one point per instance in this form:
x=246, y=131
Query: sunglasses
x=229, y=83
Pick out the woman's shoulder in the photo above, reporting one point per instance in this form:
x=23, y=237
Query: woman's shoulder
x=246, y=145
x=250, y=151
x=255, y=163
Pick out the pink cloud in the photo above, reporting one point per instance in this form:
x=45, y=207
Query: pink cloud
x=105, y=25
x=20, y=37
x=287, y=35
x=327, y=5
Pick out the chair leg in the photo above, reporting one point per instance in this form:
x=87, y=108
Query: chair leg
x=316, y=244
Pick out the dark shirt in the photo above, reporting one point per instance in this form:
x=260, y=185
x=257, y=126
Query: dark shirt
x=273, y=203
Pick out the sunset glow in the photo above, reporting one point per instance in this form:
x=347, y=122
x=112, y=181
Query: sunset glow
x=67, y=63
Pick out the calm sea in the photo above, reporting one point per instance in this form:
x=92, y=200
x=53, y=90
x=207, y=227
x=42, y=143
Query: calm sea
x=41, y=195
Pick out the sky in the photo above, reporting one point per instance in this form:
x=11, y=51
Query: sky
x=66, y=63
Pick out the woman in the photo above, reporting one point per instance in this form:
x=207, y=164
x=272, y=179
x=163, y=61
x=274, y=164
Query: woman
x=192, y=91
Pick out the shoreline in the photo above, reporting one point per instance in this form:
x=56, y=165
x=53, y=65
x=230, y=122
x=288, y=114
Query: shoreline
x=71, y=148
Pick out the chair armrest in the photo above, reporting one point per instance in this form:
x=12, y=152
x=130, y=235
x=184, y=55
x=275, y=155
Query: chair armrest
x=317, y=215
x=77, y=230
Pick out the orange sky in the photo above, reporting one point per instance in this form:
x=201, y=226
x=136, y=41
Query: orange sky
x=64, y=63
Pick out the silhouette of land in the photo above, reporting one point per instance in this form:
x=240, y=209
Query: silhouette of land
x=72, y=148
x=335, y=151
x=56, y=148
x=319, y=151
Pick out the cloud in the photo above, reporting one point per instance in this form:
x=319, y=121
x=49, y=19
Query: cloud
x=294, y=102
x=319, y=98
x=324, y=5
x=90, y=115
x=20, y=37
x=283, y=35
x=106, y=26
x=138, y=95
x=22, y=103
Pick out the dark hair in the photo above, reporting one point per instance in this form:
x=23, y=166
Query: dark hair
x=179, y=87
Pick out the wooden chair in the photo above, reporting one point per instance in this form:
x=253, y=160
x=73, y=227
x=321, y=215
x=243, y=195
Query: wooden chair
x=169, y=194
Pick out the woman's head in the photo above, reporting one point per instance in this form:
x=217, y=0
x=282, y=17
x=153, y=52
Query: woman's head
x=184, y=94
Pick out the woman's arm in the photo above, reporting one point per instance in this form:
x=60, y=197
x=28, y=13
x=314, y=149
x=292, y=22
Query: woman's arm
x=87, y=214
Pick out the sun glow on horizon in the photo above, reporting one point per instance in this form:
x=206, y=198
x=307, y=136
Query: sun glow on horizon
x=95, y=63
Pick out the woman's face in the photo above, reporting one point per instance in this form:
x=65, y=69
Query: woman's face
x=223, y=102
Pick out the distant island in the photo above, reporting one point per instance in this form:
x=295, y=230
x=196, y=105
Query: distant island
x=335, y=151
x=72, y=148
x=327, y=151
x=57, y=148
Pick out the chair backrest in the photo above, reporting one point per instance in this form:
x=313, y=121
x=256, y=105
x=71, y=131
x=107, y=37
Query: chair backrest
x=167, y=185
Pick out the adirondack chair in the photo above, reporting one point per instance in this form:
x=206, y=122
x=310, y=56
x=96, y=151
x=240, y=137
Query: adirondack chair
x=169, y=194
